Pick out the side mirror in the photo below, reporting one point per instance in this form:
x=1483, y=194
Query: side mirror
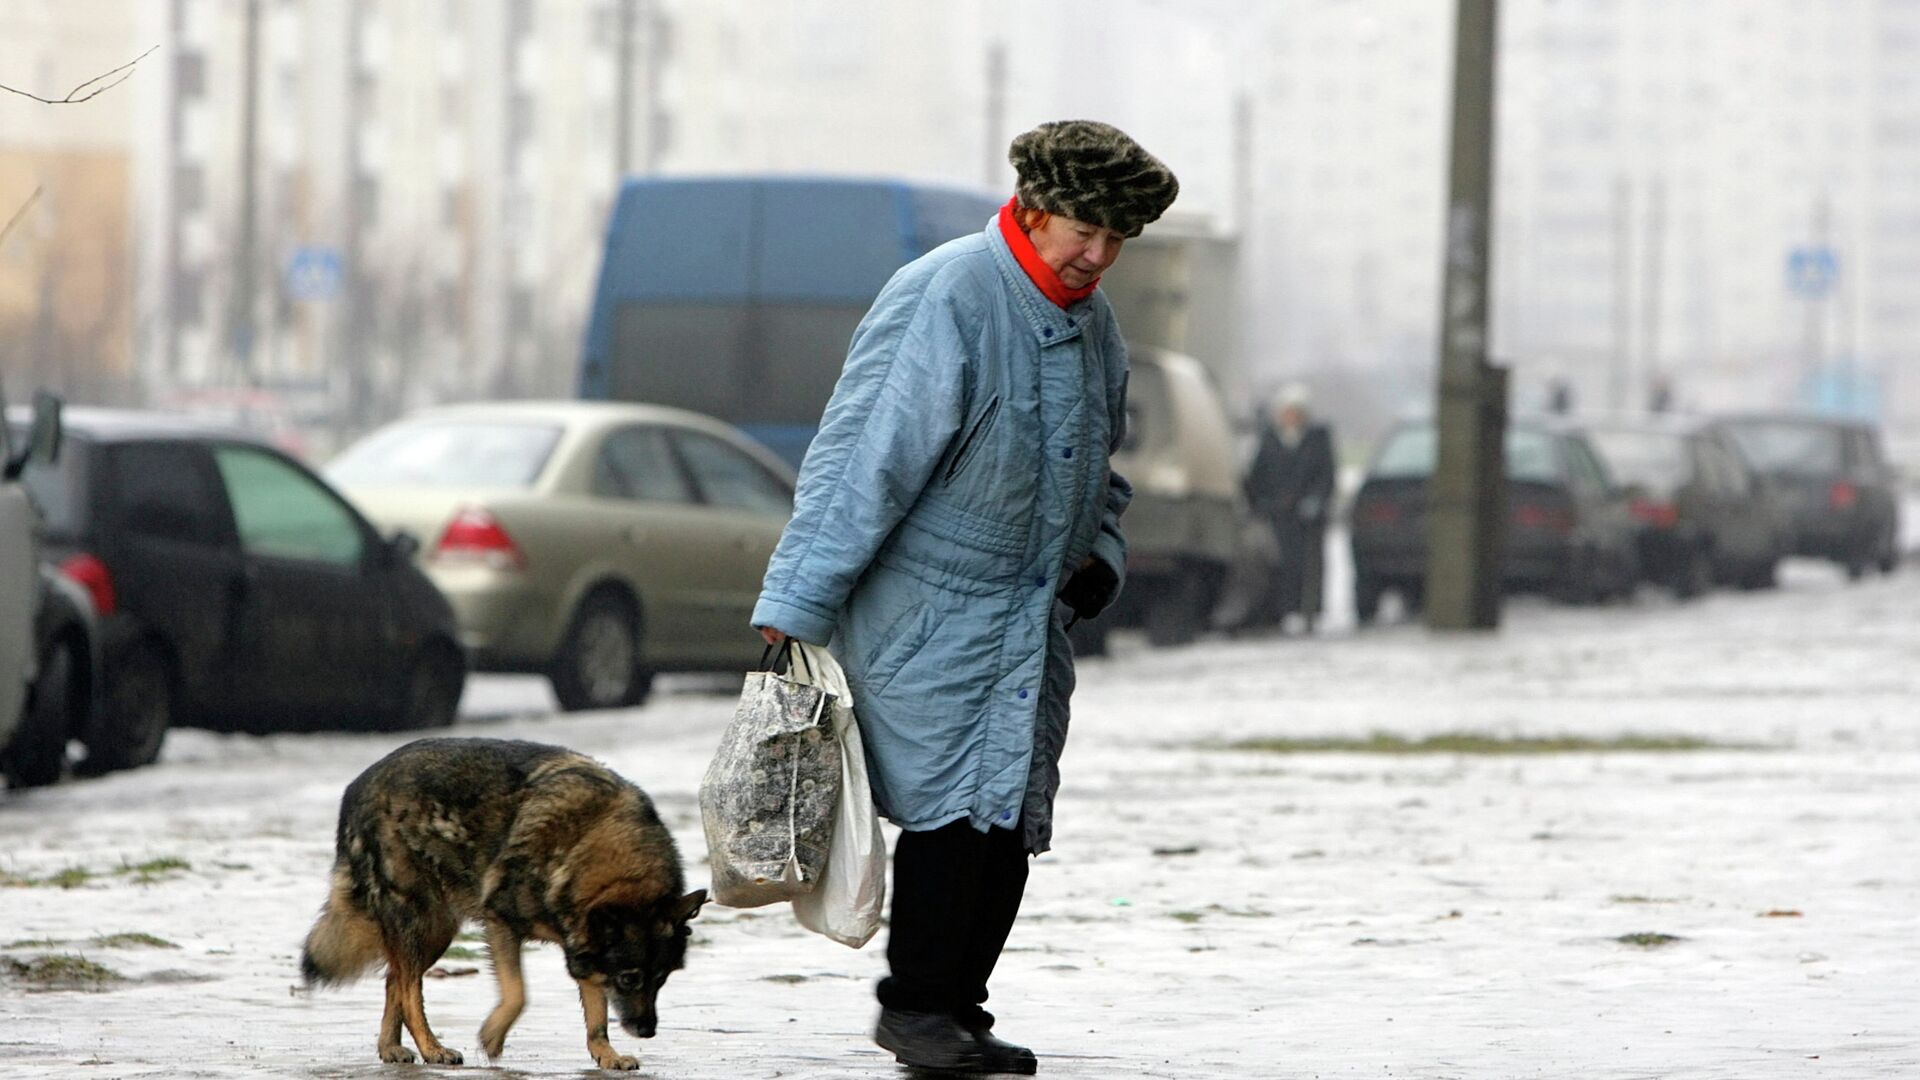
x=403, y=546
x=43, y=438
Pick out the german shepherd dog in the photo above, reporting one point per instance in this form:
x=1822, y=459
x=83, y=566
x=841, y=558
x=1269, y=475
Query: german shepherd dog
x=536, y=842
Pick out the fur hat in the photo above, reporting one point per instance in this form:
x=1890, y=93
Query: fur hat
x=1092, y=172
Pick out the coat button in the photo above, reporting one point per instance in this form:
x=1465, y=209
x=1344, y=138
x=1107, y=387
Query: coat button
x=1046, y=332
x=1039, y=583
x=1023, y=695
x=1006, y=815
x=1067, y=453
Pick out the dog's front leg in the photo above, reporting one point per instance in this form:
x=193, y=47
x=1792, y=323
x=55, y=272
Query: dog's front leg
x=504, y=945
x=593, y=1001
x=391, y=1051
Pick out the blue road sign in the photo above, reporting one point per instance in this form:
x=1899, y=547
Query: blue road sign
x=314, y=273
x=1812, y=271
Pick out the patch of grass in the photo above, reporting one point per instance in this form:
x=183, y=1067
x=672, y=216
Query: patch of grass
x=34, y=943
x=471, y=935
x=61, y=971
x=788, y=979
x=1381, y=742
x=1188, y=917
x=132, y=940
x=71, y=878
x=153, y=869
x=461, y=952
x=1648, y=940
x=1638, y=899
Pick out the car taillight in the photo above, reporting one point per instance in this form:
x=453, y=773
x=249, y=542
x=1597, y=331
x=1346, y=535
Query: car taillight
x=1531, y=516
x=1658, y=514
x=474, y=535
x=91, y=574
x=1377, y=513
x=1842, y=495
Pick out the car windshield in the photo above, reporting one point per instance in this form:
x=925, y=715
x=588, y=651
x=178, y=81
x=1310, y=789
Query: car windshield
x=448, y=453
x=1408, y=454
x=1651, y=459
x=1790, y=447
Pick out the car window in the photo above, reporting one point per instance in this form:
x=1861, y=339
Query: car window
x=448, y=453
x=283, y=513
x=728, y=477
x=634, y=463
x=1409, y=453
x=1654, y=460
x=1790, y=447
x=1585, y=468
x=166, y=490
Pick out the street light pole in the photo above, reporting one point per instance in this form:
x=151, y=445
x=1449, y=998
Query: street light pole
x=1468, y=503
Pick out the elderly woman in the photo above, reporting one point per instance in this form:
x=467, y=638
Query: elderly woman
x=954, y=512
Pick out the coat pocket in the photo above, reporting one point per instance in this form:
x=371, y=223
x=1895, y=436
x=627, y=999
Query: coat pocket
x=898, y=644
x=976, y=435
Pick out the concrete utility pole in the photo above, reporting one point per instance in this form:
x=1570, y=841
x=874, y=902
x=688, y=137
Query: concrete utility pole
x=240, y=327
x=1620, y=378
x=1651, y=368
x=623, y=101
x=1467, y=527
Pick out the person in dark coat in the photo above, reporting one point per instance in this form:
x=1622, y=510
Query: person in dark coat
x=1290, y=487
x=955, y=510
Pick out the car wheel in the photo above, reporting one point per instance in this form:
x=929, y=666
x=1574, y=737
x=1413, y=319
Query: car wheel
x=39, y=751
x=1367, y=592
x=1889, y=553
x=1765, y=575
x=431, y=696
x=1695, y=577
x=135, y=715
x=598, y=666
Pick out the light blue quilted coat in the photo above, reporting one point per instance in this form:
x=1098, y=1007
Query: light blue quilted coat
x=959, y=472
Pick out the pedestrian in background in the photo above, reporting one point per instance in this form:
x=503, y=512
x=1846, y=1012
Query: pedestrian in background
x=1290, y=487
x=954, y=511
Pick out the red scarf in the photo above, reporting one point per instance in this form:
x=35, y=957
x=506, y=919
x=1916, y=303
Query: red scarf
x=1029, y=259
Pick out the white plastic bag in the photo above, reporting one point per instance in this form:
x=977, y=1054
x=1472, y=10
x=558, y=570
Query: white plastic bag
x=847, y=901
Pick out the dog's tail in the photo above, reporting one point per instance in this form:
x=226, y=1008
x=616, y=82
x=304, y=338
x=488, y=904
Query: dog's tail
x=344, y=942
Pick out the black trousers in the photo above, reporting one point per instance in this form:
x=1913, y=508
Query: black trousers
x=956, y=892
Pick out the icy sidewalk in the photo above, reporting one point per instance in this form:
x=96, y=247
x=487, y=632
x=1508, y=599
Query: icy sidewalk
x=1208, y=913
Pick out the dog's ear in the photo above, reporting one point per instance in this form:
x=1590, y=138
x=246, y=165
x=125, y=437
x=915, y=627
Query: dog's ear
x=688, y=906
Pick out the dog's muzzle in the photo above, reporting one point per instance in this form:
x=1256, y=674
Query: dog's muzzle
x=639, y=1028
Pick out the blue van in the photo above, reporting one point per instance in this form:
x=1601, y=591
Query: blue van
x=737, y=297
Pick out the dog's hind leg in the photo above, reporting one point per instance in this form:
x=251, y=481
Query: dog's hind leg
x=593, y=1002
x=504, y=945
x=403, y=983
x=389, y=1046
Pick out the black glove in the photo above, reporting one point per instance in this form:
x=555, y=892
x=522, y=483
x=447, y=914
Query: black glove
x=1090, y=589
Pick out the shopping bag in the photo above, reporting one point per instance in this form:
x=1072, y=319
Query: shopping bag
x=847, y=901
x=767, y=800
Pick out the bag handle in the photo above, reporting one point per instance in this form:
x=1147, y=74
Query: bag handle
x=784, y=656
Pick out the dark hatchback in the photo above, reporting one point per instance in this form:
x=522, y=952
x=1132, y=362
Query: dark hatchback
x=1705, y=516
x=236, y=590
x=1841, y=494
x=1568, y=529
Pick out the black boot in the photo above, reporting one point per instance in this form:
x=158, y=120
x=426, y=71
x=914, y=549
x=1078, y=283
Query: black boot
x=929, y=1040
x=999, y=1055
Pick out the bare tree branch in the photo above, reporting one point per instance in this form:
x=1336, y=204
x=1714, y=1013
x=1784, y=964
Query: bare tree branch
x=80, y=93
x=17, y=215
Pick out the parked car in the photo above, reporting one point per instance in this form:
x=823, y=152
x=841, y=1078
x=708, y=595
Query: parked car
x=1187, y=525
x=1842, y=495
x=597, y=543
x=25, y=679
x=1705, y=516
x=1568, y=529
x=236, y=590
